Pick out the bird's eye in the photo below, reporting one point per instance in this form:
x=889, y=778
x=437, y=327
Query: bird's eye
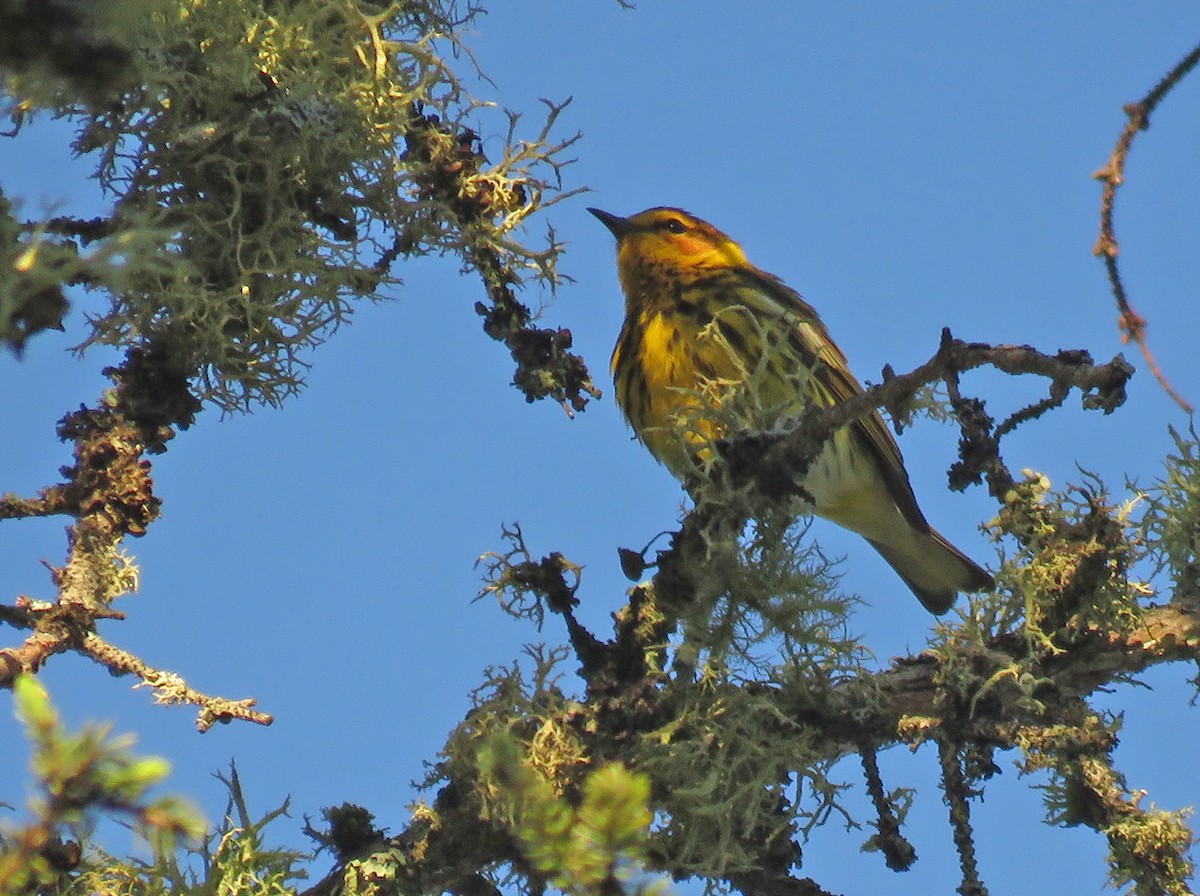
x=674, y=225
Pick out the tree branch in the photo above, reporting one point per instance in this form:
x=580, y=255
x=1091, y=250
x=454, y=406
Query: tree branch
x=449, y=160
x=169, y=688
x=772, y=466
x=1112, y=175
x=109, y=493
x=52, y=501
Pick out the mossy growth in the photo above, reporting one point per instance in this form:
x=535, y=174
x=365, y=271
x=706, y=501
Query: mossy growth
x=1171, y=522
x=1148, y=847
x=266, y=164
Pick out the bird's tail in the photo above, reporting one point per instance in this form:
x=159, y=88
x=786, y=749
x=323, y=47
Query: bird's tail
x=932, y=567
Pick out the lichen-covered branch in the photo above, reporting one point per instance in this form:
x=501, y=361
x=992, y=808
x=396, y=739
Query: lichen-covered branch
x=52, y=501
x=260, y=192
x=457, y=837
x=898, y=853
x=776, y=463
x=448, y=163
x=268, y=167
x=169, y=688
x=912, y=705
x=262, y=189
x=109, y=495
x=726, y=679
x=767, y=469
x=957, y=794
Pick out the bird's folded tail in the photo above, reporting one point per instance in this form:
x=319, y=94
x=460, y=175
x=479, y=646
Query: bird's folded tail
x=933, y=568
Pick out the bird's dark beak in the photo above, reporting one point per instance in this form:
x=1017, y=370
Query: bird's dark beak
x=618, y=225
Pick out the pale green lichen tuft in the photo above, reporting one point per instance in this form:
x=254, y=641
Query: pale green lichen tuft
x=270, y=164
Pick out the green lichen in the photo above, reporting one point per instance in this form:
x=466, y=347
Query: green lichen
x=1071, y=570
x=1148, y=848
x=270, y=164
x=1172, y=518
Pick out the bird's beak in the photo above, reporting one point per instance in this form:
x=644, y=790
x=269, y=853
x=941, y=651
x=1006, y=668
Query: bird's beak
x=618, y=225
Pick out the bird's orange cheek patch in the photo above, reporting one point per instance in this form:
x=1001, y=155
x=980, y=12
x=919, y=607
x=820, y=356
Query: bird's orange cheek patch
x=674, y=249
x=686, y=244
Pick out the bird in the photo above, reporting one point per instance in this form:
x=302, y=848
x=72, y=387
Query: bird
x=683, y=279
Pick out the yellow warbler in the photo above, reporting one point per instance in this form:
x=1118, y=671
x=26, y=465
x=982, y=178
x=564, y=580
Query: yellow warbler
x=686, y=282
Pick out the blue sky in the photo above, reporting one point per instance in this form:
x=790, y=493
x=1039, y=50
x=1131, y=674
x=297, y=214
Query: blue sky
x=905, y=167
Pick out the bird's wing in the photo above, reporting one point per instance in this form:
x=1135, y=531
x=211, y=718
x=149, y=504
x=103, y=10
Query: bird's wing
x=833, y=376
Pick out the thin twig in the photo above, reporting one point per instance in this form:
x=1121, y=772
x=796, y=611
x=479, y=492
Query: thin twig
x=51, y=501
x=898, y=853
x=954, y=785
x=171, y=689
x=1132, y=324
x=778, y=461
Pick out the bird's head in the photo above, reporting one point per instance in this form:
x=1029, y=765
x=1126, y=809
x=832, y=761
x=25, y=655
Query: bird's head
x=670, y=238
